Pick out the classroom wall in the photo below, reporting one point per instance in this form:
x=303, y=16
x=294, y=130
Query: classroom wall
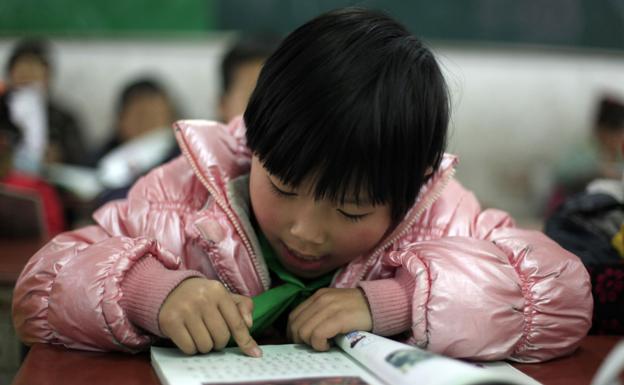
x=517, y=111
x=514, y=109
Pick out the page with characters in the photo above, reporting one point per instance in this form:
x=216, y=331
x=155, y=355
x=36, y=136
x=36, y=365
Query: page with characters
x=279, y=365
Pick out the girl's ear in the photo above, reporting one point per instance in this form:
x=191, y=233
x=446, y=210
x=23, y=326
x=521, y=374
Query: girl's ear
x=430, y=171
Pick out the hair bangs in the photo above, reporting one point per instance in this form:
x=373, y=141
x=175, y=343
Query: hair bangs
x=345, y=153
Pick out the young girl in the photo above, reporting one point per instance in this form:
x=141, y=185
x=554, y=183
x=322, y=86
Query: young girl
x=336, y=177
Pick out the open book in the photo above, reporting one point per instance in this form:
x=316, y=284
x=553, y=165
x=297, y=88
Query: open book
x=360, y=359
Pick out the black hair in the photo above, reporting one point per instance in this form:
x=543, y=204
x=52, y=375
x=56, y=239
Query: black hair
x=139, y=87
x=38, y=48
x=245, y=49
x=610, y=114
x=354, y=101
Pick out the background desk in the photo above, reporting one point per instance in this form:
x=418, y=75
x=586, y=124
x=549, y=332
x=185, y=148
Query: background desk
x=51, y=365
x=579, y=368
x=14, y=253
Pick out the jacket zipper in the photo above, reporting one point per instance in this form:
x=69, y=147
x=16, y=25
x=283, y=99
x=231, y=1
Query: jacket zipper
x=433, y=196
x=264, y=279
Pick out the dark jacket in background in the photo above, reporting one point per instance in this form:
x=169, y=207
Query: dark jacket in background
x=585, y=225
x=64, y=131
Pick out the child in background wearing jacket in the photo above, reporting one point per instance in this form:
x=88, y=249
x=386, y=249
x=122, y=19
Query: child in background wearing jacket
x=336, y=177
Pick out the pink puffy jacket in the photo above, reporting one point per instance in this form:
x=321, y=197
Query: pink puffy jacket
x=478, y=287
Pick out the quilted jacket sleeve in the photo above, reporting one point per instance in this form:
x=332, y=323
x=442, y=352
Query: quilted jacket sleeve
x=70, y=292
x=487, y=290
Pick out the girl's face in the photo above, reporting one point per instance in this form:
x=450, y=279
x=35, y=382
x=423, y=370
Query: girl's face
x=312, y=237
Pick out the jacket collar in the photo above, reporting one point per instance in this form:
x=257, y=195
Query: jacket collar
x=217, y=153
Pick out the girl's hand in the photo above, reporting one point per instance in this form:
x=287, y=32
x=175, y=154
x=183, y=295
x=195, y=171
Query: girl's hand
x=327, y=313
x=201, y=314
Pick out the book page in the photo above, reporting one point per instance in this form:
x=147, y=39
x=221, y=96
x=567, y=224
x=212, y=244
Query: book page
x=280, y=364
x=402, y=364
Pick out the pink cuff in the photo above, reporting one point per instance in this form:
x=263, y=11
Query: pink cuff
x=145, y=287
x=390, y=301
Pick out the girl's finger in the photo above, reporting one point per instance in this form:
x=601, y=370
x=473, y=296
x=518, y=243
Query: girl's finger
x=303, y=305
x=183, y=340
x=308, y=322
x=238, y=328
x=295, y=315
x=245, y=306
x=327, y=330
x=199, y=333
x=217, y=328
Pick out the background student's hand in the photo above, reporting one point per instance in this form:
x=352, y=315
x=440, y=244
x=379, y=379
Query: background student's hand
x=327, y=313
x=201, y=314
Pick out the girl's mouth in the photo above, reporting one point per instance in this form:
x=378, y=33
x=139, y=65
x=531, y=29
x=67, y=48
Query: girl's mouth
x=300, y=261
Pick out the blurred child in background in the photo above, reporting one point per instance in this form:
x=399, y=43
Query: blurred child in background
x=240, y=68
x=142, y=137
x=49, y=132
x=599, y=157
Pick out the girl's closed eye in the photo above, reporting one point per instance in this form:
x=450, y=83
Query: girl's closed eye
x=352, y=217
x=279, y=192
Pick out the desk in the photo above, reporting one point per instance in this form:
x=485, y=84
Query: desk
x=51, y=365
x=578, y=368
x=14, y=253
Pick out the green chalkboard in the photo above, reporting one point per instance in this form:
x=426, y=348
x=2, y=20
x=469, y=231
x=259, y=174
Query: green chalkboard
x=105, y=17
x=574, y=23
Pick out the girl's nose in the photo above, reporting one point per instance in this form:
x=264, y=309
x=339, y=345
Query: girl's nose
x=308, y=231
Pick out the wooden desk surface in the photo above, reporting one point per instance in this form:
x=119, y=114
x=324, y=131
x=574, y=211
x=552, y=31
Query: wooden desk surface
x=14, y=253
x=50, y=365
x=579, y=368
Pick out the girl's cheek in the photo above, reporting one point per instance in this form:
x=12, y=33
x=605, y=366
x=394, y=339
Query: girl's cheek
x=266, y=209
x=358, y=241
x=267, y=220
